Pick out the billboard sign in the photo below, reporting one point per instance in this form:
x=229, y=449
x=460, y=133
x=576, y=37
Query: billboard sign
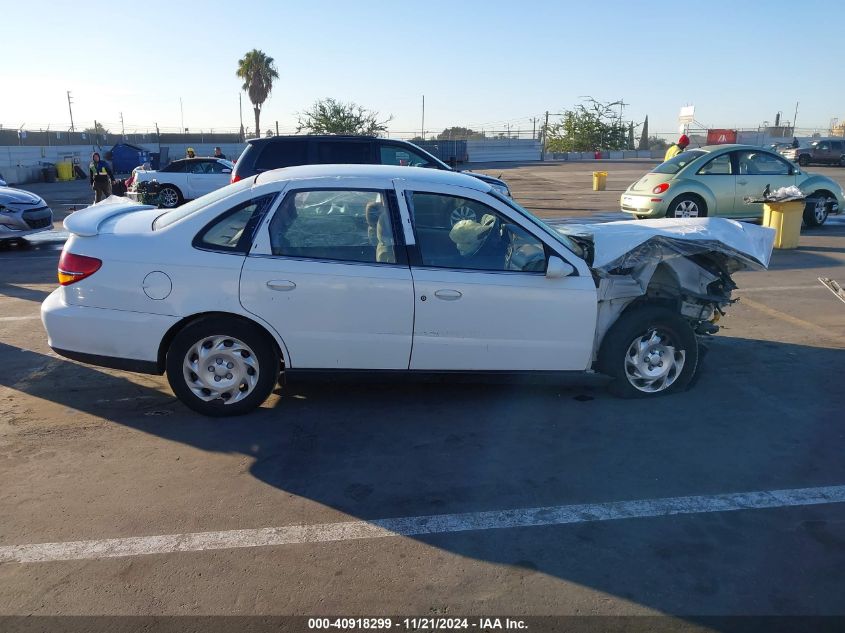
x=721, y=137
x=687, y=114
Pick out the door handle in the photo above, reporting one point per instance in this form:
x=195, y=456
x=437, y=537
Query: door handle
x=448, y=295
x=281, y=285
x=742, y=182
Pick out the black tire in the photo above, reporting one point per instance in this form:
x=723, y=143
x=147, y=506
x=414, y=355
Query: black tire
x=691, y=202
x=803, y=160
x=167, y=194
x=817, y=209
x=263, y=359
x=671, y=329
x=842, y=160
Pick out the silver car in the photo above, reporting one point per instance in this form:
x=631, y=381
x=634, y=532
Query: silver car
x=22, y=213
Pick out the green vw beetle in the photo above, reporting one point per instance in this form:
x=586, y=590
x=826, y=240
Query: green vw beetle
x=714, y=181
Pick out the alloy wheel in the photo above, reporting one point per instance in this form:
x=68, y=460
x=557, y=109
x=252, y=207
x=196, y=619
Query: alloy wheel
x=686, y=209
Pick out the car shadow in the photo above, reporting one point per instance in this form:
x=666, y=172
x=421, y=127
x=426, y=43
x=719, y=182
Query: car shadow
x=380, y=450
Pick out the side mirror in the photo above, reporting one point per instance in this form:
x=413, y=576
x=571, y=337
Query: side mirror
x=557, y=268
x=226, y=171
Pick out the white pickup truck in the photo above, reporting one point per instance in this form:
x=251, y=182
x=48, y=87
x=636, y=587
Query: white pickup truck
x=185, y=179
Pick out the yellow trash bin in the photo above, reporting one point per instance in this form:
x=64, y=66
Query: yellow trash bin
x=599, y=180
x=785, y=218
x=65, y=170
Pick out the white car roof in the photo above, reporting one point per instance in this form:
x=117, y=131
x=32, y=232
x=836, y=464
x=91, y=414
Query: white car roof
x=408, y=174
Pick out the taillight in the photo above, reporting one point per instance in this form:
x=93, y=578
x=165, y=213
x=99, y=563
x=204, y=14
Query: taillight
x=235, y=178
x=73, y=268
x=660, y=188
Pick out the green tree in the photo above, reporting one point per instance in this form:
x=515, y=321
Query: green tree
x=655, y=142
x=644, y=135
x=459, y=133
x=97, y=129
x=330, y=116
x=592, y=125
x=258, y=71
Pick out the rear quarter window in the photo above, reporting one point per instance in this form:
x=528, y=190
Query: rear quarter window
x=233, y=230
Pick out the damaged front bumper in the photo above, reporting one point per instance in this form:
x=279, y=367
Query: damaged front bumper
x=684, y=263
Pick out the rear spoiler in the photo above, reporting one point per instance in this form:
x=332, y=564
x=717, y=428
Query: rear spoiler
x=87, y=222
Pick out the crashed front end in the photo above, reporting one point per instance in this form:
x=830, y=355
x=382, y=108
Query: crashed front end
x=685, y=264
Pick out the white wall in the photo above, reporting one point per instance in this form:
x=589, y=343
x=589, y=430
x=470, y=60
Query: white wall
x=493, y=150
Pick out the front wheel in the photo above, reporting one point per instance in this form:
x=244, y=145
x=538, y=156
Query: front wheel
x=649, y=351
x=817, y=208
x=687, y=206
x=803, y=160
x=221, y=367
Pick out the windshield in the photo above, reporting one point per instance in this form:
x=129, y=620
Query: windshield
x=169, y=217
x=677, y=163
x=566, y=241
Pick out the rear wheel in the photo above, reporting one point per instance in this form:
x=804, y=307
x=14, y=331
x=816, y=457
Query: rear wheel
x=649, y=351
x=221, y=367
x=169, y=197
x=817, y=208
x=687, y=206
x=803, y=160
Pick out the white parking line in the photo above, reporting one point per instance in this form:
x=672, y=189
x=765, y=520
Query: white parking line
x=29, y=317
x=416, y=526
x=778, y=288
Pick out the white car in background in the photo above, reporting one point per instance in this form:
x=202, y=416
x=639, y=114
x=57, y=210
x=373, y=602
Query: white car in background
x=22, y=213
x=360, y=268
x=185, y=179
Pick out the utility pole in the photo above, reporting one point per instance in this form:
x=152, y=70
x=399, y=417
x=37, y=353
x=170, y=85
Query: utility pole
x=795, y=119
x=422, y=125
x=122, y=129
x=533, y=128
x=70, y=109
x=182, y=115
x=544, y=135
x=277, y=128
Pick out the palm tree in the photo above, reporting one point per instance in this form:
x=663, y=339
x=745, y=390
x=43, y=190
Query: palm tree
x=258, y=72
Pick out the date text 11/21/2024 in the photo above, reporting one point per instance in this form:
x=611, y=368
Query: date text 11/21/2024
x=416, y=624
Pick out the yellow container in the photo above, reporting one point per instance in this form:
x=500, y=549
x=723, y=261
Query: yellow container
x=65, y=170
x=785, y=218
x=599, y=180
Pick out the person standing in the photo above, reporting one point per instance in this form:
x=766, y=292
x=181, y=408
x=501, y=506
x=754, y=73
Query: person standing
x=190, y=153
x=676, y=148
x=101, y=177
x=218, y=153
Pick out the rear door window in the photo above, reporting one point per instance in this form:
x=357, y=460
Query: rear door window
x=344, y=152
x=333, y=224
x=282, y=154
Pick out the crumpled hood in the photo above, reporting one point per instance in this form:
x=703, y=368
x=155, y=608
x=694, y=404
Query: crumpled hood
x=8, y=195
x=631, y=243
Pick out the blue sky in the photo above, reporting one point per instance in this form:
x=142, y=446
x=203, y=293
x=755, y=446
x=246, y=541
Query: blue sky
x=479, y=64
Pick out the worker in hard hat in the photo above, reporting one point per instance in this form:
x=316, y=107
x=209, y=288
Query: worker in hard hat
x=189, y=153
x=676, y=148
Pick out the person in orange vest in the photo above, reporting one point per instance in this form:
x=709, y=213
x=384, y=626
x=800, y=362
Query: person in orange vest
x=101, y=177
x=676, y=148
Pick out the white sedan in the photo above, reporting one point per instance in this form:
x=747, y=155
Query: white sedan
x=364, y=268
x=186, y=179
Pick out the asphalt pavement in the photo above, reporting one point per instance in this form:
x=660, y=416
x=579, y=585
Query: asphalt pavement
x=439, y=498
